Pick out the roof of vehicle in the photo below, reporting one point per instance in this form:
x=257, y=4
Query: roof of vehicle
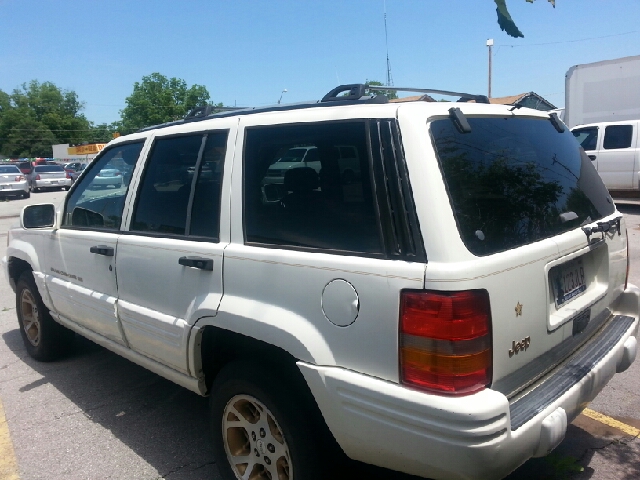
x=352, y=94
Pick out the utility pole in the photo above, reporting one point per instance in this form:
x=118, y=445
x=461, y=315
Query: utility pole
x=490, y=45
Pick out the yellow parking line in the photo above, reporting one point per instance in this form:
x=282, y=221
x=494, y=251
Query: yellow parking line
x=8, y=464
x=612, y=422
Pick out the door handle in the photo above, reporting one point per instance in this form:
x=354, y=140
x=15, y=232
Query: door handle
x=592, y=157
x=105, y=250
x=197, y=262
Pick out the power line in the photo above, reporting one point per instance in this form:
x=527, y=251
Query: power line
x=571, y=41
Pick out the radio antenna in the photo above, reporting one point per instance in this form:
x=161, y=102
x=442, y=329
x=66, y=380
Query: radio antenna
x=386, y=41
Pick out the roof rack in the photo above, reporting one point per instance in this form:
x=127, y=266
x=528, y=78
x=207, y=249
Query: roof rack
x=355, y=93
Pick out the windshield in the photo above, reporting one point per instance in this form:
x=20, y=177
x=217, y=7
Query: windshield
x=293, y=155
x=516, y=180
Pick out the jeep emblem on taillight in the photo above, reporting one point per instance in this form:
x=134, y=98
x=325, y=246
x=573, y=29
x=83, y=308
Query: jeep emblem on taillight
x=521, y=345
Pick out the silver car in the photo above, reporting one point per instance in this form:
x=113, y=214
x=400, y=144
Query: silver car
x=48, y=176
x=13, y=182
x=108, y=177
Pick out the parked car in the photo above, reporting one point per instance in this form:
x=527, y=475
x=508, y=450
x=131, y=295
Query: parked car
x=74, y=167
x=74, y=174
x=614, y=149
x=12, y=182
x=108, y=177
x=25, y=167
x=447, y=313
x=48, y=176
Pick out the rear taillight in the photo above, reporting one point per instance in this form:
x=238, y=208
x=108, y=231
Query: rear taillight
x=445, y=341
x=37, y=177
x=19, y=178
x=68, y=175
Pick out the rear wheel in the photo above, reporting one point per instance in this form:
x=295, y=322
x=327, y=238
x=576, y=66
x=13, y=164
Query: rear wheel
x=43, y=337
x=260, y=428
x=26, y=195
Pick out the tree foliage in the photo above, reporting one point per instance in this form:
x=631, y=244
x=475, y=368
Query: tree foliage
x=158, y=99
x=390, y=94
x=506, y=22
x=37, y=115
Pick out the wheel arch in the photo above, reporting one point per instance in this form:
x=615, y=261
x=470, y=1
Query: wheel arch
x=17, y=267
x=217, y=347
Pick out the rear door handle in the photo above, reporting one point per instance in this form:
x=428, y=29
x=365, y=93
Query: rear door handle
x=197, y=262
x=105, y=250
x=592, y=157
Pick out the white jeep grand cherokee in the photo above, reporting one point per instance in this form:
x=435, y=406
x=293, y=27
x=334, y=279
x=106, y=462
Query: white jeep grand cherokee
x=446, y=313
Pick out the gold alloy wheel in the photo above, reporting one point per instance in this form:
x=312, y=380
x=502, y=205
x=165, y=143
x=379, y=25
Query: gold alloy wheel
x=255, y=445
x=30, y=317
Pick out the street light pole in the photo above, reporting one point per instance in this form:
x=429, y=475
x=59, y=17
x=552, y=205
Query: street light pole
x=283, y=92
x=490, y=45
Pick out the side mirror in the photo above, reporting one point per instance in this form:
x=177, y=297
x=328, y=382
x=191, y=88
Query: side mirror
x=38, y=216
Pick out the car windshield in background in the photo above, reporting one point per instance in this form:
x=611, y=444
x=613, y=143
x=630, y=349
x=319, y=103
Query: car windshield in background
x=514, y=181
x=9, y=169
x=49, y=168
x=294, y=155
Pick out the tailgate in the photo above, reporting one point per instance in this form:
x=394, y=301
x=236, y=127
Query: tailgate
x=580, y=285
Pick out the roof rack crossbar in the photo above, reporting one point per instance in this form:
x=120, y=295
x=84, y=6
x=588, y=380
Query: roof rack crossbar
x=466, y=96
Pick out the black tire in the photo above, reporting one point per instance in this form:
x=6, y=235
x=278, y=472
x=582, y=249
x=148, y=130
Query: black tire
x=26, y=195
x=44, y=338
x=244, y=390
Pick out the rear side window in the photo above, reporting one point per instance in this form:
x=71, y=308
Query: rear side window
x=300, y=191
x=180, y=191
x=587, y=137
x=617, y=136
x=514, y=181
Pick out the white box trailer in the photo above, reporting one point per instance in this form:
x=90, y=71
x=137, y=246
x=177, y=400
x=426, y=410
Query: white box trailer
x=606, y=91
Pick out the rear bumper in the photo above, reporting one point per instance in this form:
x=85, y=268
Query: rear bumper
x=54, y=183
x=14, y=189
x=470, y=437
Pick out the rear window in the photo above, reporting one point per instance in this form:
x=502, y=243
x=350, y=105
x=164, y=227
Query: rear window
x=9, y=169
x=514, y=181
x=48, y=168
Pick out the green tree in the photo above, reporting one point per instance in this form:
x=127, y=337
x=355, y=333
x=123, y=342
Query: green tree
x=158, y=99
x=390, y=94
x=37, y=115
x=506, y=22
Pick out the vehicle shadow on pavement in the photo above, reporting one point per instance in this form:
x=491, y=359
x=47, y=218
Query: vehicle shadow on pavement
x=163, y=423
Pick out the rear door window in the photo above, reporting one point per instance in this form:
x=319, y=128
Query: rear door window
x=617, y=136
x=514, y=181
x=180, y=191
x=296, y=193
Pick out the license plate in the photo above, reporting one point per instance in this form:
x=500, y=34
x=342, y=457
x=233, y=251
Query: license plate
x=54, y=181
x=568, y=281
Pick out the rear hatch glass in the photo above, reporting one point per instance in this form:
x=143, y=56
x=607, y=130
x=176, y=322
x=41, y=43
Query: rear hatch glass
x=516, y=180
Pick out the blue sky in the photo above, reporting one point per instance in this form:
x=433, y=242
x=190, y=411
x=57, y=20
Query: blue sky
x=247, y=51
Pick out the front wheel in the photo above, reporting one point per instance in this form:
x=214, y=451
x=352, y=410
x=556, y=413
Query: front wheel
x=44, y=338
x=260, y=431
